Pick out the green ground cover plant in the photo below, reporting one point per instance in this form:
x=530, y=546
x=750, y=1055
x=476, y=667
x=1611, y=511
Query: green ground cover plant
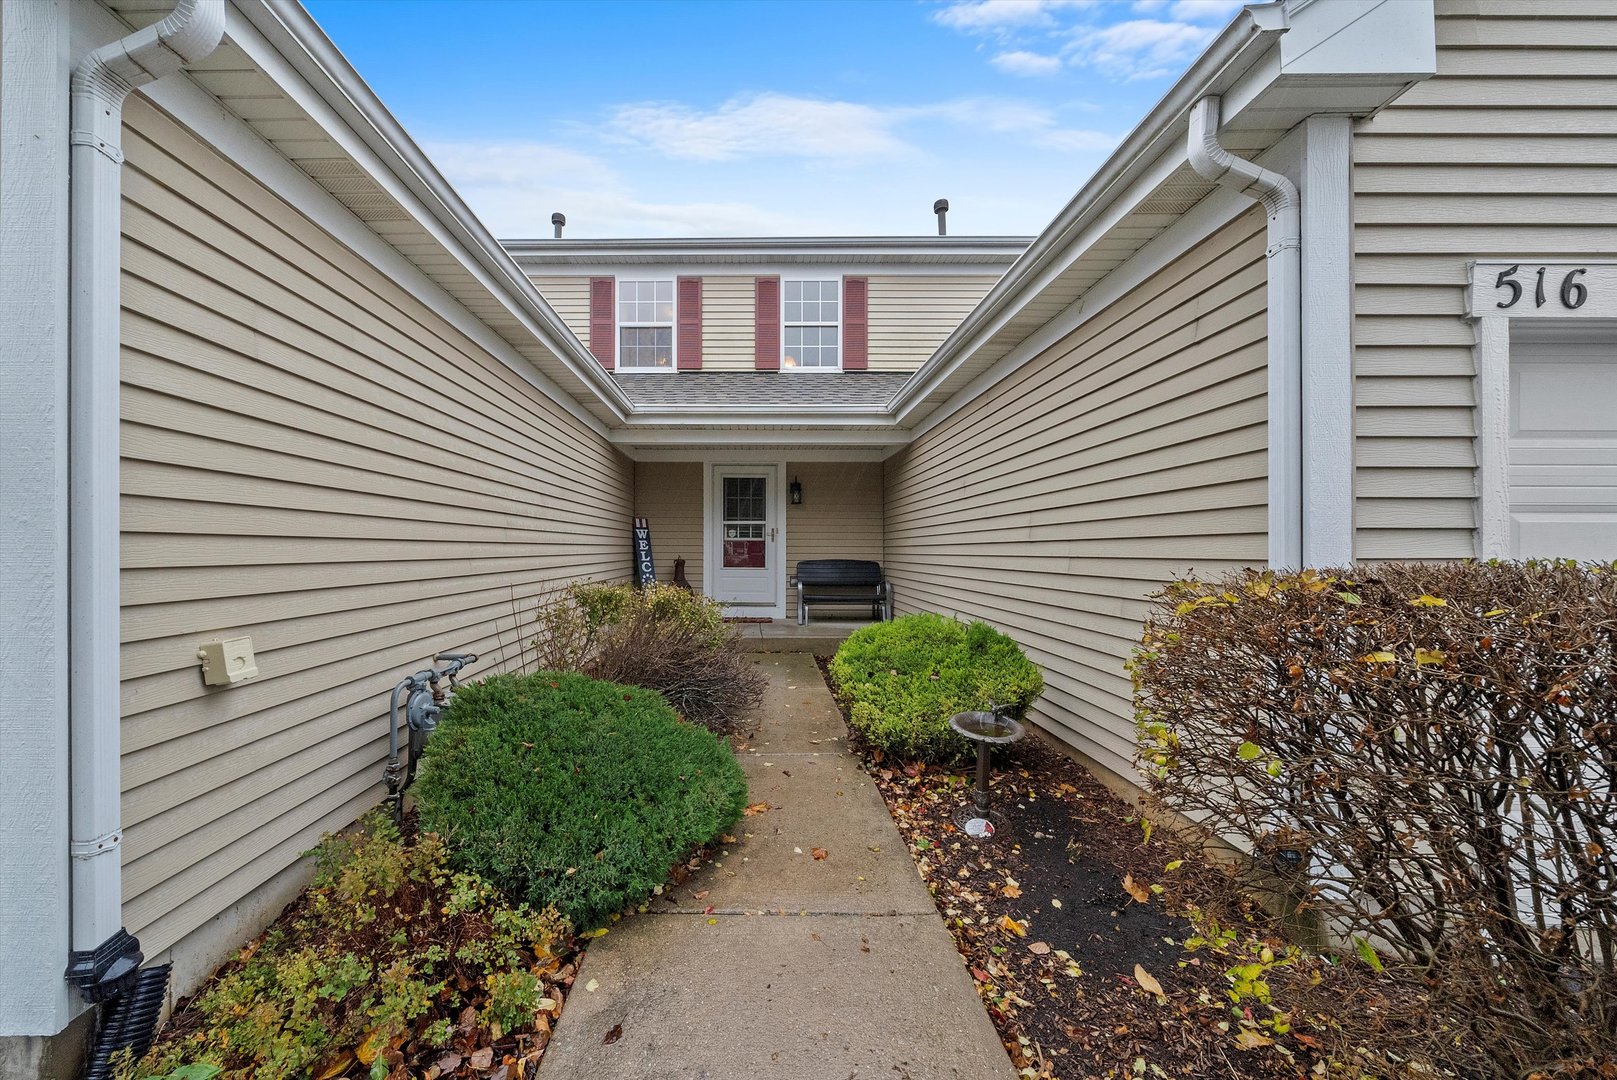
x=1425, y=758
x=572, y=793
x=900, y=681
x=390, y=959
x=660, y=637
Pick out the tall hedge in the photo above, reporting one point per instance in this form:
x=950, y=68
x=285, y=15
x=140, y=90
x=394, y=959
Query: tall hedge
x=1430, y=751
x=565, y=791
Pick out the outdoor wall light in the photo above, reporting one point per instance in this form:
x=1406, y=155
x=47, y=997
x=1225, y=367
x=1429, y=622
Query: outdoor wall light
x=797, y=492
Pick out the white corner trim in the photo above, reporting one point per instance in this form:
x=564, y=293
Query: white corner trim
x=1327, y=335
x=1492, y=355
x=34, y=937
x=1195, y=225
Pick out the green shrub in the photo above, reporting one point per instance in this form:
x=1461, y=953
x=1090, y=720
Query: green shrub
x=659, y=637
x=375, y=964
x=901, y=681
x=569, y=792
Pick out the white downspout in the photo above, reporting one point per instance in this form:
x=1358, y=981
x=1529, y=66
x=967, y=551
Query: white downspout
x=1283, y=205
x=104, y=956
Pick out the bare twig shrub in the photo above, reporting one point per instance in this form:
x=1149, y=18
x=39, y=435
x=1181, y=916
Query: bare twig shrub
x=1429, y=754
x=660, y=637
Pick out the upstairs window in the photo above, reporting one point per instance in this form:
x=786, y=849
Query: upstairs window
x=812, y=314
x=646, y=325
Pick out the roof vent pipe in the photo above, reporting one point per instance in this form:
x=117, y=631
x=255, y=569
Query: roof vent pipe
x=941, y=208
x=1284, y=207
x=559, y=220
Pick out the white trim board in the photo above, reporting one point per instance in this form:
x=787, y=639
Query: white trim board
x=1492, y=355
x=34, y=938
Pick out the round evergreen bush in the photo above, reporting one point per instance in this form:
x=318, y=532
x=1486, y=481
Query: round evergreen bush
x=565, y=791
x=902, y=680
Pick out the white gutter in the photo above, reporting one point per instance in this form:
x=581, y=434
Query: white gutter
x=104, y=956
x=285, y=23
x=1249, y=34
x=1284, y=207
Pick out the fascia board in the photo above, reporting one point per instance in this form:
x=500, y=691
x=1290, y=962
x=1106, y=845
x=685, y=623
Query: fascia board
x=285, y=41
x=1251, y=34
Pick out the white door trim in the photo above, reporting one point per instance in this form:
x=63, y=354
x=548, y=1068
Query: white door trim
x=1496, y=311
x=778, y=550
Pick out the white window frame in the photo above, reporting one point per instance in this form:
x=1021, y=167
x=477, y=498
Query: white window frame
x=837, y=324
x=619, y=325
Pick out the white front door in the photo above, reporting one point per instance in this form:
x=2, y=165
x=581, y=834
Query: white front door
x=743, y=536
x=1563, y=450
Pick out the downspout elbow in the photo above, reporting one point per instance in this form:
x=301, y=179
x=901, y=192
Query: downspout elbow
x=1283, y=205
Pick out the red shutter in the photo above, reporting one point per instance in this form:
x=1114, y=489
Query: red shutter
x=855, y=323
x=689, y=293
x=603, y=325
x=766, y=325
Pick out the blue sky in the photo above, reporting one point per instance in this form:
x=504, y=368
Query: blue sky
x=724, y=118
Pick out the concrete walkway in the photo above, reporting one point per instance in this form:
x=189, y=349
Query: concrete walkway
x=832, y=969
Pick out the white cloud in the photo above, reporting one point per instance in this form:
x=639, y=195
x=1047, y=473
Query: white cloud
x=997, y=16
x=1141, y=48
x=515, y=186
x=1022, y=62
x=764, y=124
x=1076, y=140
x=1191, y=10
x=841, y=132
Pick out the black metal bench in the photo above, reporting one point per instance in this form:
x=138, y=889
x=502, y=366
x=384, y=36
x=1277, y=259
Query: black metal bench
x=843, y=581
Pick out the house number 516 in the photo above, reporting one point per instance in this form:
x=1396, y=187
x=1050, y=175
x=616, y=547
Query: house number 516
x=1573, y=291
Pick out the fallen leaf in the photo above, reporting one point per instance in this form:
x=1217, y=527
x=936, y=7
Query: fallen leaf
x=1148, y=982
x=339, y=1064
x=1039, y=948
x=374, y=1041
x=755, y=808
x=1009, y=924
x=819, y=853
x=481, y=1059
x=1140, y=892
x=1011, y=891
x=1054, y=902
x=448, y=1063
x=612, y=1036
x=1251, y=1040
x=592, y=986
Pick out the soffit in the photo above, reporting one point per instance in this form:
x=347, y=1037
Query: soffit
x=244, y=90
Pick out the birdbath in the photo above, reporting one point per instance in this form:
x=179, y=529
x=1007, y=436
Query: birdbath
x=987, y=730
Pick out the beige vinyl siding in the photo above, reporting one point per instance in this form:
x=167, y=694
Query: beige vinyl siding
x=910, y=315
x=570, y=297
x=315, y=459
x=1130, y=450
x=668, y=494
x=1506, y=153
x=841, y=513
x=727, y=323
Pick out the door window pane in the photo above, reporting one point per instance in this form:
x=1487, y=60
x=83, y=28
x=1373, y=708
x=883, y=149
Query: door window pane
x=745, y=518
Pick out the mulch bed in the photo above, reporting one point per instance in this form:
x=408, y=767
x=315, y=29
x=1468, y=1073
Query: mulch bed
x=1075, y=930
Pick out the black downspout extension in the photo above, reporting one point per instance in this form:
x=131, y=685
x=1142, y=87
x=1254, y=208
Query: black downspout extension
x=129, y=1022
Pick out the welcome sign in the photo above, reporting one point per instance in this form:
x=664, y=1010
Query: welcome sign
x=645, y=567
